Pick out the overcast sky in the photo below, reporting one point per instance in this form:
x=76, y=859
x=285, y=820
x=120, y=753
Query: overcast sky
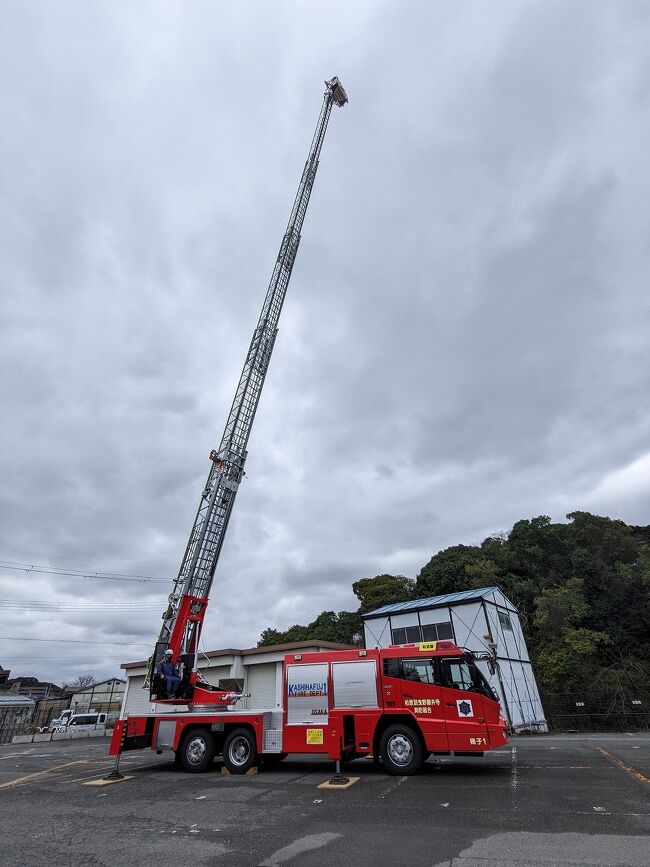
x=465, y=337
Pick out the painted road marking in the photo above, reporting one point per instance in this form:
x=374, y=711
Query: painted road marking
x=392, y=787
x=39, y=774
x=514, y=781
x=15, y=755
x=560, y=767
x=637, y=774
x=302, y=844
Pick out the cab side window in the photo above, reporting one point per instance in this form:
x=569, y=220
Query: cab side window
x=456, y=674
x=418, y=670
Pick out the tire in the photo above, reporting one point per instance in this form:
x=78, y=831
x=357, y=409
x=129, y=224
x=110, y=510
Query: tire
x=401, y=750
x=196, y=751
x=240, y=751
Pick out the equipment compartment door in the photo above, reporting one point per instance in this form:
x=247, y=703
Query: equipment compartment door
x=307, y=721
x=466, y=727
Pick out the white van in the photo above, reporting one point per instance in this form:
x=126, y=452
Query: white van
x=83, y=722
x=60, y=720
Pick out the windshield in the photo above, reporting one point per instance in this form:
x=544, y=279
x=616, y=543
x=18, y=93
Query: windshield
x=464, y=674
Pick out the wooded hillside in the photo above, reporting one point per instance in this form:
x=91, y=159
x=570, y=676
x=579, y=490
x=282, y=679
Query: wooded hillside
x=583, y=594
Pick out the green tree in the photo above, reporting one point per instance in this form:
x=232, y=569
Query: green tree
x=343, y=628
x=446, y=571
x=381, y=590
x=270, y=636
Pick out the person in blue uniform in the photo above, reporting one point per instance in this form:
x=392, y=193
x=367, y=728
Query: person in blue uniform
x=167, y=669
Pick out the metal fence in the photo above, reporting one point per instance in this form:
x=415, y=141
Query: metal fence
x=12, y=724
x=638, y=721
x=24, y=721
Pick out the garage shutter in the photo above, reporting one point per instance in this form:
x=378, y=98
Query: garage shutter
x=137, y=699
x=215, y=673
x=260, y=682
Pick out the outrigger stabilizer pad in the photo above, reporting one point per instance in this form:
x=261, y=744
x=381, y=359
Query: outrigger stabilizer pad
x=338, y=779
x=115, y=773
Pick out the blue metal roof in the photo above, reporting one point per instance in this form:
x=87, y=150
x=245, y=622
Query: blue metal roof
x=433, y=601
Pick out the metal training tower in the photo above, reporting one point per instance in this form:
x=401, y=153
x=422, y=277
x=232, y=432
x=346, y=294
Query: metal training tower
x=183, y=618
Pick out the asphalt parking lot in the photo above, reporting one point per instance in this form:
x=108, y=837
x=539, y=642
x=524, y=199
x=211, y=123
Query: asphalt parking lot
x=545, y=800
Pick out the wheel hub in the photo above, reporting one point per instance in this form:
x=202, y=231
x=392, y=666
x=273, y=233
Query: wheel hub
x=239, y=751
x=400, y=750
x=196, y=750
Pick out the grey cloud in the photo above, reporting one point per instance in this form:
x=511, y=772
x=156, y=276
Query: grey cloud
x=464, y=342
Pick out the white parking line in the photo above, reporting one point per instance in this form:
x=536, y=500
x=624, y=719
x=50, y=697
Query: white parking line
x=302, y=844
x=15, y=755
x=392, y=787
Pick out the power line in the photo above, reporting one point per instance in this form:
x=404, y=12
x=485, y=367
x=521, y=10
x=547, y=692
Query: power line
x=36, y=605
x=76, y=641
x=31, y=555
x=80, y=573
x=21, y=660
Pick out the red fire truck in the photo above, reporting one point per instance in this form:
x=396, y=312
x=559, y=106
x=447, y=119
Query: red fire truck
x=401, y=704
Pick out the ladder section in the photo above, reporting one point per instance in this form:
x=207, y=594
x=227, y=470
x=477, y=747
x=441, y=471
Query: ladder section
x=217, y=499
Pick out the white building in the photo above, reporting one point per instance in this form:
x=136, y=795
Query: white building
x=257, y=670
x=106, y=696
x=476, y=620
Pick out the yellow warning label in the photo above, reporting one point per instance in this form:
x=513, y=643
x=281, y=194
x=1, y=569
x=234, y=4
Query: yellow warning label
x=428, y=645
x=314, y=736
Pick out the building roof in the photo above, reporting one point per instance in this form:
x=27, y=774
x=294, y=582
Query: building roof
x=433, y=601
x=93, y=686
x=296, y=645
x=269, y=648
x=12, y=699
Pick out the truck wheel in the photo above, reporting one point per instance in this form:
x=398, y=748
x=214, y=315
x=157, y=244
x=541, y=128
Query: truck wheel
x=196, y=751
x=401, y=751
x=240, y=751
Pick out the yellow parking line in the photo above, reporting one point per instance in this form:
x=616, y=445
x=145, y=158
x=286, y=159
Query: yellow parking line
x=625, y=767
x=38, y=774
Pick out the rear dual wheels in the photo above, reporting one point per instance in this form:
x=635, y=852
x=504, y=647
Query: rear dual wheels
x=197, y=750
x=401, y=750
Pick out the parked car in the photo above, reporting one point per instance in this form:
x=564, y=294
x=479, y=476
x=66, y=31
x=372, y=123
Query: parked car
x=81, y=722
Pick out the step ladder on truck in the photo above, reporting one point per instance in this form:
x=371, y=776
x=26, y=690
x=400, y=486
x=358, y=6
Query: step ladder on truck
x=401, y=703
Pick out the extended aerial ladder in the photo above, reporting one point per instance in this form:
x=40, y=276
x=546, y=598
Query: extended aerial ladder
x=183, y=619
